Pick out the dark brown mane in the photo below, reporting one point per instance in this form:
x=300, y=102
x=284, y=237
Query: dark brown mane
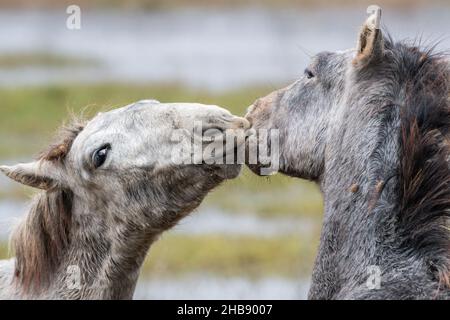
x=424, y=154
x=41, y=239
x=58, y=150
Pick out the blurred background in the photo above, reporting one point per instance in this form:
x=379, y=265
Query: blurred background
x=253, y=237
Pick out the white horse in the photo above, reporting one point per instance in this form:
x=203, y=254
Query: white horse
x=110, y=188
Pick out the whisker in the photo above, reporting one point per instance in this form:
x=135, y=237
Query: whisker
x=305, y=51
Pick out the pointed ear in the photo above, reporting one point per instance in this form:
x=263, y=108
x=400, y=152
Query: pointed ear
x=40, y=174
x=370, y=41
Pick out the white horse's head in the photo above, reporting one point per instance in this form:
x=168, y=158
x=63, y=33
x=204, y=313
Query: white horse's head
x=144, y=160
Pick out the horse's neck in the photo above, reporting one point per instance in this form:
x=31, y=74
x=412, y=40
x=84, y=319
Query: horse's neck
x=107, y=263
x=360, y=204
x=101, y=261
x=351, y=242
x=107, y=258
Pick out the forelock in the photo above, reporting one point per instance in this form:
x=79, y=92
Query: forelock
x=58, y=150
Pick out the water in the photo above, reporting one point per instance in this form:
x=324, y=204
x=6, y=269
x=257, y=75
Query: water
x=198, y=48
x=206, y=287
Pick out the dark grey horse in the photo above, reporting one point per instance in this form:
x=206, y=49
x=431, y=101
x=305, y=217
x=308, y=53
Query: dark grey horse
x=371, y=127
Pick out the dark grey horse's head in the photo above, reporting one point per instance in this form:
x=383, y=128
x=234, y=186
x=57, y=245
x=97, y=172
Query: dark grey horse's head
x=312, y=112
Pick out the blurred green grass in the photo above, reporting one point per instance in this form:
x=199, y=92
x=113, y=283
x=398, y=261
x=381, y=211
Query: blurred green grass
x=3, y=250
x=277, y=195
x=245, y=256
x=31, y=115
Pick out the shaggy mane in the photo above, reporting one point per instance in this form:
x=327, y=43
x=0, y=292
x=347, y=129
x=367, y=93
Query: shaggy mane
x=58, y=150
x=424, y=173
x=41, y=239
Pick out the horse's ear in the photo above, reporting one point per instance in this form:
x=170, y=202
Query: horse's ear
x=40, y=174
x=370, y=41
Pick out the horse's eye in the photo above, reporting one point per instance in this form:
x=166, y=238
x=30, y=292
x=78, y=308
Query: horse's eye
x=309, y=74
x=100, y=155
